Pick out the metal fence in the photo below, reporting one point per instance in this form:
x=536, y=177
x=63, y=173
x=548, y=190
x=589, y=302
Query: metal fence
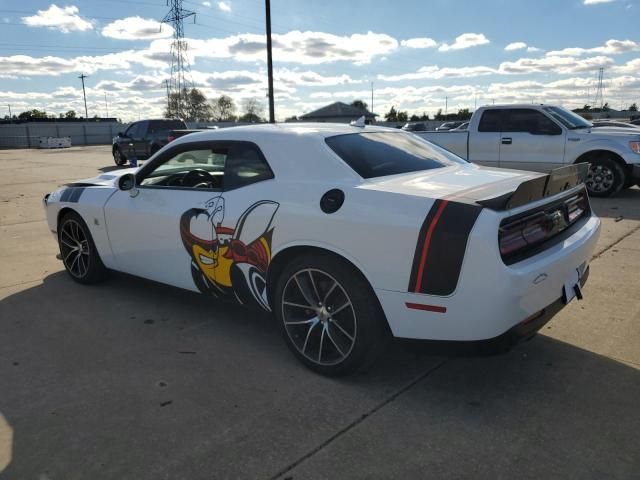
x=27, y=135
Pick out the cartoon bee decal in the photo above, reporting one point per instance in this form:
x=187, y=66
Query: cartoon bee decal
x=230, y=263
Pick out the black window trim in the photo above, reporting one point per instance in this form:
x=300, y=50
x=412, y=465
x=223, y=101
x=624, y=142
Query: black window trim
x=203, y=145
x=502, y=112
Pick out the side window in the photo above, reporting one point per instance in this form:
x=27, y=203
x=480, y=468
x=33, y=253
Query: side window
x=245, y=165
x=202, y=168
x=529, y=121
x=490, y=121
x=131, y=129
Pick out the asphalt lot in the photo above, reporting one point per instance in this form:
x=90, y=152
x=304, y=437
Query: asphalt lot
x=135, y=380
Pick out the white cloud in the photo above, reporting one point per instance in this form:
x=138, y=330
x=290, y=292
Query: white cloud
x=137, y=28
x=466, y=40
x=309, y=48
x=422, y=42
x=206, y=4
x=596, y=2
x=555, y=64
x=610, y=47
x=224, y=6
x=434, y=72
x=515, y=46
x=65, y=19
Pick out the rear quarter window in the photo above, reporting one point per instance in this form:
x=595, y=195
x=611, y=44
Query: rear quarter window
x=378, y=154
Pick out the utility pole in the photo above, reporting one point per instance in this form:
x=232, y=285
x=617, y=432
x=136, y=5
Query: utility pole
x=372, y=98
x=446, y=104
x=475, y=101
x=86, y=113
x=106, y=104
x=10, y=116
x=272, y=115
x=166, y=82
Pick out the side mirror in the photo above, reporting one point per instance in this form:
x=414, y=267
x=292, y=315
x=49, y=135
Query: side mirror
x=120, y=134
x=127, y=183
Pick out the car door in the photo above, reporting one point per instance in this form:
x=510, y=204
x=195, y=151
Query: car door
x=530, y=141
x=196, y=234
x=484, y=144
x=140, y=140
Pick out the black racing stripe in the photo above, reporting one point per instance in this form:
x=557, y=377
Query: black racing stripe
x=75, y=195
x=447, y=248
x=420, y=245
x=66, y=194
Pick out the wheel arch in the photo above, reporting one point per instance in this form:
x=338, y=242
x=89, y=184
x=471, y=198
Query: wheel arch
x=288, y=253
x=586, y=156
x=62, y=212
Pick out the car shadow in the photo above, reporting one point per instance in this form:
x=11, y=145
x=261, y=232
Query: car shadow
x=135, y=379
x=112, y=168
x=625, y=205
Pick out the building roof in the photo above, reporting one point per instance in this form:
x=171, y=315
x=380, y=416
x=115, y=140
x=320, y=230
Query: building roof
x=338, y=109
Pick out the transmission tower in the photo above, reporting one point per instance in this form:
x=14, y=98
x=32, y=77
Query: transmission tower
x=600, y=90
x=180, y=80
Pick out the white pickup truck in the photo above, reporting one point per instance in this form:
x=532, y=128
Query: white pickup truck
x=543, y=137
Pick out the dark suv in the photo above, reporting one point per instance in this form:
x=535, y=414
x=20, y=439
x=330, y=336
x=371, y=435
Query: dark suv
x=144, y=138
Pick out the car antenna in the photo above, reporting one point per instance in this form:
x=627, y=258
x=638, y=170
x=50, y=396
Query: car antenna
x=358, y=123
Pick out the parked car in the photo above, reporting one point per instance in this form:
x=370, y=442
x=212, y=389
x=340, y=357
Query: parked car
x=415, y=127
x=543, y=137
x=448, y=126
x=144, y=138
x=346, y=234
x=462, y=126
x=613, y=123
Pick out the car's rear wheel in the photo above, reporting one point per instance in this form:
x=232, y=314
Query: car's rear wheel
x=605, y=178
x=329, y=315
x=118, y=157
x=78, y=251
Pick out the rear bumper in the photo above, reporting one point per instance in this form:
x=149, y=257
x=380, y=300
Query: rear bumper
x=492, y=298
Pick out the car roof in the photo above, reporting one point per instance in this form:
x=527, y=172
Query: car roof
x=247, y=132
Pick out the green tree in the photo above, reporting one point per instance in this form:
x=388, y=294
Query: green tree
x=633, y=107
x=360, y=104
x=424, y=117
x=33, y=114
x=606, y=107
x=198, y=107
x=70, y=114
x=439, y=115
x=403, y=116
x=253, y=111
x=224, y=109
x=391, y=115
x=464, y=114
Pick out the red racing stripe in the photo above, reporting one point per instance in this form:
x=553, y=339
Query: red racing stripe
x=427, y=241
x=427, y=308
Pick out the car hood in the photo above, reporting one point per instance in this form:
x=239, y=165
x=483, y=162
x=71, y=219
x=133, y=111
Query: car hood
x=464, y=182
x=608, y=132
x=103, y=180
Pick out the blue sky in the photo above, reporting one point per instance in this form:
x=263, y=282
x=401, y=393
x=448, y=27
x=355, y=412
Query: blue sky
x=416, y=53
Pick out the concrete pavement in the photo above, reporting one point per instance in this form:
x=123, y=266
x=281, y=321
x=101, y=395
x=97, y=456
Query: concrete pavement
x=131, y=379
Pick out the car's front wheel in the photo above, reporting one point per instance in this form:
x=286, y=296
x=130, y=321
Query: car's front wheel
x=79, y=254
x=605, y=178
x=329, y=315
x=118, y=157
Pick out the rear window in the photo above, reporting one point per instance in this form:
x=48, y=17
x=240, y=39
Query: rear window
x=490, y=121
x=166, y=125
x=377, y=154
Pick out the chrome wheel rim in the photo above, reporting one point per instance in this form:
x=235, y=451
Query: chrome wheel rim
x=319, y=317
x=600, y=178
x=74, y=248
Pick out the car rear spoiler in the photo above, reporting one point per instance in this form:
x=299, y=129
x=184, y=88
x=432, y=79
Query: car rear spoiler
x=559, y=180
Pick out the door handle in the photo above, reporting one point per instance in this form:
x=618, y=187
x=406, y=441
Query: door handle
x=506, y=140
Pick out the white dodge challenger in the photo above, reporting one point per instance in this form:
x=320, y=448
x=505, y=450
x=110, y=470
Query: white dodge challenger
x=347, y=234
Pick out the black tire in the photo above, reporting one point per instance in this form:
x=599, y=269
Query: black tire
x=606, y=177
x=78, y=251
x=357, y=334
x=118, y=157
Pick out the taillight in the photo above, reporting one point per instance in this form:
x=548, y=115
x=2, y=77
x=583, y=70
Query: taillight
x=170, y=138
x=521, y=233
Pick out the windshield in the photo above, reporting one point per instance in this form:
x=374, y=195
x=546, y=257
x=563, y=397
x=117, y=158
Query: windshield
x=567, y=118
x=377, y=154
